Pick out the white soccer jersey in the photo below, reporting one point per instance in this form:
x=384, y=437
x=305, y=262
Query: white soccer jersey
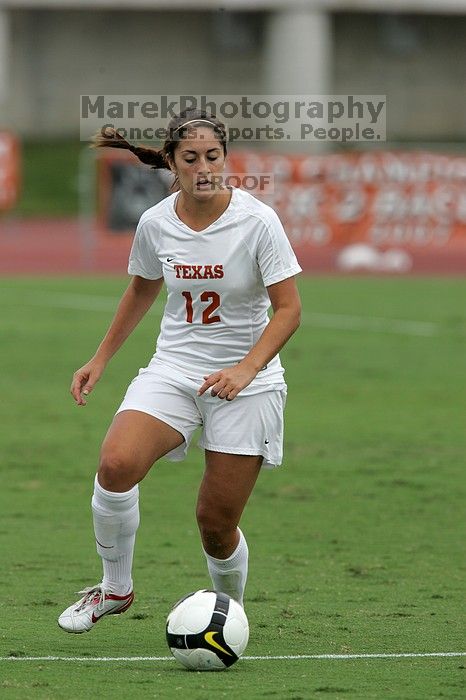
x=216, y=281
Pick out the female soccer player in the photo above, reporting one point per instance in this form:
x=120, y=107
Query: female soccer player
x=224, y=258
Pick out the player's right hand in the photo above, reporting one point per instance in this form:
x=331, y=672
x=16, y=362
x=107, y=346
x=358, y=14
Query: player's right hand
x=84, y=380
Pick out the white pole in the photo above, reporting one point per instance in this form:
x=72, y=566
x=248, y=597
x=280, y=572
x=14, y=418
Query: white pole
x=298, y=52
x=4, y=54
x=298, y=56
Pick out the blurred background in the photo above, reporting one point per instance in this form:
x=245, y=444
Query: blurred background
x=393, y=207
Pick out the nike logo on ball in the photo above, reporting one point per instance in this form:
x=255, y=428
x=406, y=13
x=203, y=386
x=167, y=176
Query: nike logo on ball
x=209, y=637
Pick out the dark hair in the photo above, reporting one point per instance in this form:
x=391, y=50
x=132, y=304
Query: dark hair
x=176, y=131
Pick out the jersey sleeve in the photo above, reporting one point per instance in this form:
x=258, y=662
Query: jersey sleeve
x=143, y=259
x=275, y=256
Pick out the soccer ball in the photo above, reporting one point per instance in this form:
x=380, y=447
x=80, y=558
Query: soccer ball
x=207, y=631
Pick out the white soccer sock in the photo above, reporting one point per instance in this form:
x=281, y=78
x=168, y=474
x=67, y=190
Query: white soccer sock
x=229, y=575
x=116, y=519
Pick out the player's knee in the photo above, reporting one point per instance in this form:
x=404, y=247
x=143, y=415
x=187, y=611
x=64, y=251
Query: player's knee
x=215, y=525
x=113, y=471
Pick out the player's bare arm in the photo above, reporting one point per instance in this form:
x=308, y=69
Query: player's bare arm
x=286, y=305
x=134, y=304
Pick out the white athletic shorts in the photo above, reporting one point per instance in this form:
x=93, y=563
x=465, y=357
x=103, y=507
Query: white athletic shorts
x=247, y=425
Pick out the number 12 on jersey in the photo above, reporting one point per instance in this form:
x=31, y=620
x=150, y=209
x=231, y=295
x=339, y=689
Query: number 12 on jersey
x=207, y=313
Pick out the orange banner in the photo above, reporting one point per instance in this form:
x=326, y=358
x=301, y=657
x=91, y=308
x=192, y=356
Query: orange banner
x=381, y=211
x=9, y=170
x=384, y=211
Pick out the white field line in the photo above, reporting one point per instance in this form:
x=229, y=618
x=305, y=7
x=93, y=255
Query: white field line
x=78, y=302
x=296, y=657
x=342, y=322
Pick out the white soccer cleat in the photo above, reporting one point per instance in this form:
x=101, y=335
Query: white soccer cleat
x=95, y=604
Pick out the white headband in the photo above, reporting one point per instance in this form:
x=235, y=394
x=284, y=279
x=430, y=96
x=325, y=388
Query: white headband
x=195, y=121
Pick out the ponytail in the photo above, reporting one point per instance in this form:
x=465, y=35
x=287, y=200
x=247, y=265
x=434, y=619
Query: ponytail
x=148, y=156
x=177, y=129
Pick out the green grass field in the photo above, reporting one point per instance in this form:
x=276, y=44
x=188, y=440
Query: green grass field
x=356, y=543
x=50, y=174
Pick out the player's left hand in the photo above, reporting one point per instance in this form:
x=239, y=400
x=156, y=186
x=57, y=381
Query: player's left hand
x=228, y=382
